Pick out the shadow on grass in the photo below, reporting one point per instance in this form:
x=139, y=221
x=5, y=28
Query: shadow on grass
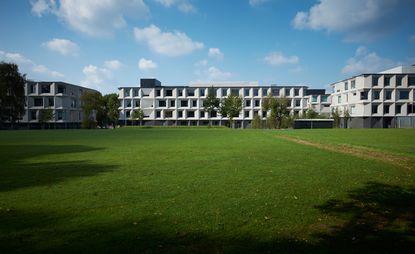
x=378, y=218
x=17, y=173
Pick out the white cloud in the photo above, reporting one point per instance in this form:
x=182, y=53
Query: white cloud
x=412, y=38
x=145, y=65
x=28, y=66
x=359, y=19
x=215, y=53
x=182, y=5
x=166, y=43
x=202, y=63
x=62, y=46
x=257, y=2
x=215, y=73
x=366, y=62
x=92, y=17
x=96, y=77
x=277, y=58
x=113, y=64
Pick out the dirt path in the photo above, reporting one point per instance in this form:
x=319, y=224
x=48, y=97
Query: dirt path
x=360, y=152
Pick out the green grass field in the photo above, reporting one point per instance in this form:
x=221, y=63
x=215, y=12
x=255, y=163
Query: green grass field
x=200, y=190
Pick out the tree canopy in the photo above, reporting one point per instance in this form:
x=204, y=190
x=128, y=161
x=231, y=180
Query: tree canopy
x=278, y=108
x=211, y=103
x=231, y=107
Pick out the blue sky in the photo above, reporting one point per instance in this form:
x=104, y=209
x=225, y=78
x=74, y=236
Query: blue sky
x=107, y=44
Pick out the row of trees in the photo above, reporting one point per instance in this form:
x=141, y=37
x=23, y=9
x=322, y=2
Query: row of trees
x=98, y=110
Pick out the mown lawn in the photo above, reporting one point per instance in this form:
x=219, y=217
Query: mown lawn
x=200, y=190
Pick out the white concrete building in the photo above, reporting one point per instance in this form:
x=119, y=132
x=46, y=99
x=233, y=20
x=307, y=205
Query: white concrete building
x=377, y=100
x=183, y=105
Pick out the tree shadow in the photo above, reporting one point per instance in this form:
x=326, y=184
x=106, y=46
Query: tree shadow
x=17, y=173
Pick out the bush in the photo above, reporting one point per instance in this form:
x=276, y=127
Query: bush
x=256, y=122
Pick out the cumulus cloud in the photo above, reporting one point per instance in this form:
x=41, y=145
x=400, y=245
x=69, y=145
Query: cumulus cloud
x=278, y=58
x=113, y=64
x=29, y=66
x=62, y=46
x=182, y=5
x=215, y=73
x=366, y=62
x=359, y=19
x=257, y=2
x=96, y=77
x=201, y=63
x=215, y=53
x=166, y=43
x=94, y=17
x=145, y=64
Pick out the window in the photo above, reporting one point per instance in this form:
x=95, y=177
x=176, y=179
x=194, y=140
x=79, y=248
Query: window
x=45, y=88
x=410, y=108
x=386, y=81
x=246, y=114
x=275, y=91
x=386, y=109
x=374, y=109
x=375, y=80
x=296, y=92
x=403, y=95
x=297, y=103
x=202, y=114
x=224, y=91
x=202, y=91
x=32, y=89
x=168, y=114
x=246, y=92
x=51, y=102
x=264, y=92
x=353, y=84
x=257, y=102
x=339, y=99
x=169, y=92
x=398, y=108
x=235, y=91
x=264, y=113
x=287, y=92
x=346, y=85
x=324, y=98
x=376, y=95
x=60, y=115
x=256, y=92
x=411, y=80
x=158, y=92
x=194, y=103
x=61, y=89
x=135, y=92
x=353, y=110
x=180, y=114
x=137, y=103
x=190, y=92
x=184, y=103
x=126, y=92
x=145, y=93
x=33, y=114
x=247, y=103
x=213, y=114
x=314, y=98
x=363, y=95
x=399, y=80
x=179, y=92
x=127, y=114
x=388, y=95
x=190, y=114
x=127, y=104
x=158, y=113
x=38, y=102
x=162, y=103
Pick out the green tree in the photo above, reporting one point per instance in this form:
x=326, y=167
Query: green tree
x=278, y=108
x=256, y=122
x=335, y=115
x=45, y=116
x=231, y=107
x=311, y=114
x=138, y=114
x=211, y=103
x=12, y=97
x=346, y=117
x=92, y=109
x=112, y=105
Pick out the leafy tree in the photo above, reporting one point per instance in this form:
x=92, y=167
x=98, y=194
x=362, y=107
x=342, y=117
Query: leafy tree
x=256, y=122
x=12, y=97
x=271, y=121
x=278, y=108
x=231, y=107
x=45, y=115
x=311, y=114
x=112, y=105
x=211, y=103
x=346, y=117
x=92, y=109
x=138, y=114
x=335, y=114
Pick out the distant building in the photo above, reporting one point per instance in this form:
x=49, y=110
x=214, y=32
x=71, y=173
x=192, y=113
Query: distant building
x=183, y=105
x=62, y=98
x=377, y=100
